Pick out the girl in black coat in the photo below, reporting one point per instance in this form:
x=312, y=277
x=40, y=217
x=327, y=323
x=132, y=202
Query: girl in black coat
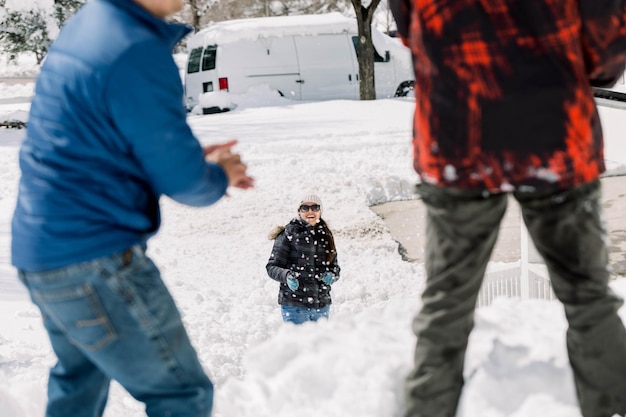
x=304, y=261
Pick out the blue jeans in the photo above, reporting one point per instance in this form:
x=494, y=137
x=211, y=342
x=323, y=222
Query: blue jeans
x=113, y=318
x=299, y=315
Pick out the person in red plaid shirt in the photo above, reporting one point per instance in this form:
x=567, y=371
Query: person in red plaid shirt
x=504, y=106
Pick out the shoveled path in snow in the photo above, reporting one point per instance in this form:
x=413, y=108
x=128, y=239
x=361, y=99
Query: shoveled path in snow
x=406, y=222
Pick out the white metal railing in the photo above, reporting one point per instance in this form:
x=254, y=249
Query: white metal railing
x=529, y=279
x=511, y=283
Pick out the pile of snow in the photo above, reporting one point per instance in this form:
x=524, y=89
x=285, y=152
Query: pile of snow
x=256, y=96
x=23, y=89
x=390, y=189
x=23, y=66
x=614, y=169
x=14, y=102
x=14, y=120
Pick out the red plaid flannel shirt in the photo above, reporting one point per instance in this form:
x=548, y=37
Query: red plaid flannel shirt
x=503, y=88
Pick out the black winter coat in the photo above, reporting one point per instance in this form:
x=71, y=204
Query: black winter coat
x=308, y=251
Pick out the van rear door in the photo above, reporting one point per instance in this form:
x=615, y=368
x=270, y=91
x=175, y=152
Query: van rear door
x=328, y=67
x=198, y=77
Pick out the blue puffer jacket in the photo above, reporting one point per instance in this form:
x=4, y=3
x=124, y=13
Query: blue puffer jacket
x=107, y=136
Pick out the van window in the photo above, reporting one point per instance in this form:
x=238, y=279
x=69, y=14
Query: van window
x=193, y=65
x=208, y=59
x=377, y=57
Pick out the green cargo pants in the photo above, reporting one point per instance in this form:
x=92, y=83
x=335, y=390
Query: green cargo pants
x=566, y=227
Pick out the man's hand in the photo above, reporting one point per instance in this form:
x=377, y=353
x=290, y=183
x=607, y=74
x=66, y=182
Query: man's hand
x=231, y=163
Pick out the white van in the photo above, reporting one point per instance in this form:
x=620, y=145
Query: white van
x=310, y=57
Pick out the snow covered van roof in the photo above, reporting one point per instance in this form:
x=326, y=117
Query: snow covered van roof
x=267, y=27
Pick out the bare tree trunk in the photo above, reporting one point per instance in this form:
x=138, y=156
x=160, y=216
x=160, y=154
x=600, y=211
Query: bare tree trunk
x=195, y=14
x=192, y=13
x=364, y=16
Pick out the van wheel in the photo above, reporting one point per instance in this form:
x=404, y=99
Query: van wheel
x=405, y=89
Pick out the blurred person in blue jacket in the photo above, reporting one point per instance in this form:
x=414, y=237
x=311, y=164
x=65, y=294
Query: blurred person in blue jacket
x=107, y=136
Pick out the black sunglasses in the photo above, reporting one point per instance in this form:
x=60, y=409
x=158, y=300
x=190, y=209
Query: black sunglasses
x=304, y=208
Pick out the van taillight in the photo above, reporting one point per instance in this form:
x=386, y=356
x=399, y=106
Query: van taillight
x=223, y=84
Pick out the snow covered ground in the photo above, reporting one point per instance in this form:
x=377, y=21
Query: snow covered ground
x=213, y=260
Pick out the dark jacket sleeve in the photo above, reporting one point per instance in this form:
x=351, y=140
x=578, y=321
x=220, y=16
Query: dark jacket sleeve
x=278, y=265
x=604, y=40
x=334, y=266
x=335, y=269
